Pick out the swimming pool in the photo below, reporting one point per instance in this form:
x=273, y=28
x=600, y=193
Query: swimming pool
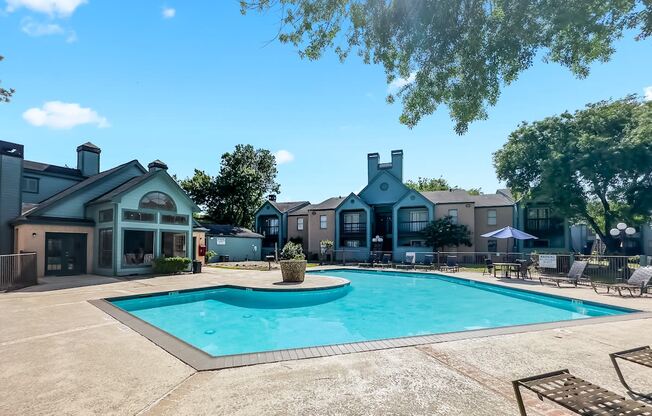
x=376, y=305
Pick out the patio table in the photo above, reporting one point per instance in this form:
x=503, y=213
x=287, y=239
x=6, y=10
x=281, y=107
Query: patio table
x=506, y=268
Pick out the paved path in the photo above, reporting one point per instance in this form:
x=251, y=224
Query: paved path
x=61, y=355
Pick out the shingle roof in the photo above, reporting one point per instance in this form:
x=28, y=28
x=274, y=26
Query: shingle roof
x=330, y=203
x=289, y=206
x=124, y=187
x=225, y=230
x=45, y=167
x=453, y=196
x=80, y=185
x=492, y=200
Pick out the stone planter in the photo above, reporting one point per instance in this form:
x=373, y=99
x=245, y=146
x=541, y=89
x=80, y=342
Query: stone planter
x=293, y=270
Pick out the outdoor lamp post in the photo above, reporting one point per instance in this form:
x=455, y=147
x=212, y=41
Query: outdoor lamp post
x=622, y=231
x=377, y=242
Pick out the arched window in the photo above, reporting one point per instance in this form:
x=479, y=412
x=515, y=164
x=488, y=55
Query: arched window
x=157, y=200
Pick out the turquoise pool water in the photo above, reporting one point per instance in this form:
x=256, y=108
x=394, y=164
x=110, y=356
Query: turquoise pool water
x=376, y=305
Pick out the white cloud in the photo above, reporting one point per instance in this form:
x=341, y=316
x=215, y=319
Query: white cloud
x=399, y=83
x=60, y=115
x=34, y=28
x=168, y=12
x=648, y=93
x=283, y=156
x=61, y=8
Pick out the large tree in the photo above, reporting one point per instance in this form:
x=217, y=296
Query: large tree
x=436, y=184
x=442, y=233
x=5, y=94
x=594, y=165
x=233, y=196
x=459, y=53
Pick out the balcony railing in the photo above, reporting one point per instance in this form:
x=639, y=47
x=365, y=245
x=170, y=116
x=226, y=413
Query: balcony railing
x=269, y=232
x=354, y=228
x=544, y=226
x=407, y=227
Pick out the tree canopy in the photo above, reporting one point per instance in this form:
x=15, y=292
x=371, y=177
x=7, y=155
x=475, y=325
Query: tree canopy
x=232, y=197
x=456, y=52
x=442, y=233
x=436, y=184
x=593, y=165
x=5, y=94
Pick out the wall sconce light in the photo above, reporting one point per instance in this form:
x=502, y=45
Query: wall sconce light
x=33, y=235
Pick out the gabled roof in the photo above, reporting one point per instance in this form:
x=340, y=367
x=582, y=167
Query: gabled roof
x=330, y=203
x=225, y=230
x=288, y=207
x=133, y=183
x=492, y=200
x=80, y=186
x=54, y=169
x=452, y=196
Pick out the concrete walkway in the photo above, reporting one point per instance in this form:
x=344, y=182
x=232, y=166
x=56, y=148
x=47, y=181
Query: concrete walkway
x=61, y=355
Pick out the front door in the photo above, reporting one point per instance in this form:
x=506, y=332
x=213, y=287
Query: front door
x=65, y=254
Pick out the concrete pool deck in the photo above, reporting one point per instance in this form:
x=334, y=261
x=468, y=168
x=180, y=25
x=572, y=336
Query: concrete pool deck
x=61, y=355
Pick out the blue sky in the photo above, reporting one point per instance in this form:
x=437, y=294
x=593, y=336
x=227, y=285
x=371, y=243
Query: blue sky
x=186, y=81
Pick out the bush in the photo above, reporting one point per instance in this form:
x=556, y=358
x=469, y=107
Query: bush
x=292, y=251
x=170, y=265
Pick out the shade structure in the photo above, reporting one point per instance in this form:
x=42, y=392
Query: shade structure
x=510, y=232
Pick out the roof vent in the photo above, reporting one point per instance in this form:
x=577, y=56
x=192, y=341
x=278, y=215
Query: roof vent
x=157, y=165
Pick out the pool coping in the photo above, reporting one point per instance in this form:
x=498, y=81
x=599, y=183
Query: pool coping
x=202, y=361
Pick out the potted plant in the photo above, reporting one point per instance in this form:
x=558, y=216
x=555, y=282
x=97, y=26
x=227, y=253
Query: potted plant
x=293, y=263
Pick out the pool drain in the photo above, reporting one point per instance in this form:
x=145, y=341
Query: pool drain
x=209, y=332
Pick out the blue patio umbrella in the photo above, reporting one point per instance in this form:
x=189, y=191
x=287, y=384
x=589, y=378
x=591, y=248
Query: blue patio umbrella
x=510, y=232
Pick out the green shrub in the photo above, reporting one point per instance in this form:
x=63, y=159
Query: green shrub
x=292, y=251
x=170, y=265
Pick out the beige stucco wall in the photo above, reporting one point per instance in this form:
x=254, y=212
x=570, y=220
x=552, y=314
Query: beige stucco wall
x=465, y=216
x=201, y=241
x=25, y=241
x=316, y=234
x=504, y=217
x=294, y=233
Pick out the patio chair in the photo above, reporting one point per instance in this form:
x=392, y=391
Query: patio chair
x=451, y=265
x=525, y=268
x=577, y=395
x=638, y=281
x=641, y=356
x=427, y=263
x=575, y=273
x=408, y=263
x=488, y=266
x=370, y=262
x=385, y=261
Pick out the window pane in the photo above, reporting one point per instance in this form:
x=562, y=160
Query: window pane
x=299, y=223
x=492, y=246
x=157, y=200
x=30, y=185
x=105, y=247
x=138, y=216
x=173, y=244
x=138, y=248
x=106, y=215
x=453, y=214
x=323, y=222
x=174, y=219
x=491, y=217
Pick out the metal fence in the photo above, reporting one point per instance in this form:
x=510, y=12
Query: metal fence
x=17, y=271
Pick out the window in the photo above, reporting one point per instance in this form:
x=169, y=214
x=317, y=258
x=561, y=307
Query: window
x=491, y=217
x=271, y=226
x=30, y=185
x=138, y=249
x=138, y=216
x=453, y=214
x=323, y=222
x=173, y=244
x=106, y=215
x=352, y=243
x=492, y=246
x=157, y=200
x=352, y=223
x=418, y=221
x=300, y=224
x=174, y=219
x=105, y=248
x=417, y=243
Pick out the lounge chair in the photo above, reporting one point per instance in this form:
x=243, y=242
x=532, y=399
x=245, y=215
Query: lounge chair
x=408, y=263
x=385, y=261
x=369, y=263
x=639, y=281
x=427, y=263
x=488, y=266
x=641, y=356
x=451, y=265
x=574, y=275
x=577, y=395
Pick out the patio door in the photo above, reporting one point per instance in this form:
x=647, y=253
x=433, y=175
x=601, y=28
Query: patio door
x=65, y=254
